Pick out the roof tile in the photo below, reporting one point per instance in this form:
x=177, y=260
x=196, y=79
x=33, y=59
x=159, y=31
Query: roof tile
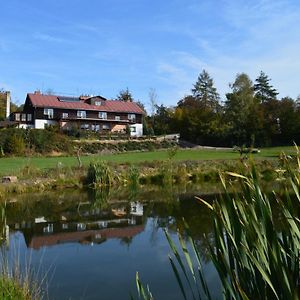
x=49, y=101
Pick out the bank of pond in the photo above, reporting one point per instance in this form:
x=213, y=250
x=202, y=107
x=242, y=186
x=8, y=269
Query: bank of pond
x=230, y=227
x=168, y=172
x=83, y=243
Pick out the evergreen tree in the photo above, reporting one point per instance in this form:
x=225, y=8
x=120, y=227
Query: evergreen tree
x=264, y=92
x=205, y=92
x=125, y=95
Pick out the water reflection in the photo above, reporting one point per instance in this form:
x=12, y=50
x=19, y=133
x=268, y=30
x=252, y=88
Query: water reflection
x=108, y=221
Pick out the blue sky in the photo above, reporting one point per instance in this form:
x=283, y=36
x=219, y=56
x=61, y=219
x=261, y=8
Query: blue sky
x=101, y=47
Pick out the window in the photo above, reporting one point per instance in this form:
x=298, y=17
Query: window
x=85, y=126
x=29, y=117
x=48, y=112
x=131, y=117
x=81, y=114
x=105, y=127
x=17, y=117
x=102, y=115
x=117, y=118
x=98, y=103
x=24, y=117
x=65, y=115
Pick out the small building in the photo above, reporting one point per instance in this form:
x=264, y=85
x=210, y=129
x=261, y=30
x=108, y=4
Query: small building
x=94, y=113
x=4, y=104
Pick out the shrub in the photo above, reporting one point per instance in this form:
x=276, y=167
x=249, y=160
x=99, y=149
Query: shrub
x=99, y=174
x=14, y=145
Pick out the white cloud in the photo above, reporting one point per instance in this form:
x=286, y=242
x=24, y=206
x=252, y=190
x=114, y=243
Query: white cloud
x=50, y=38
x=266, y=37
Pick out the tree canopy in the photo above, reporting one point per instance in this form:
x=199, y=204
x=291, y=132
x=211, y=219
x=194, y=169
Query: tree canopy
x=264, y=91
x=125, y=95
x=251, y=114
x=205, y=92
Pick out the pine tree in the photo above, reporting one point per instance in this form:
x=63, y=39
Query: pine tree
x=264, y=92
x=205, y=92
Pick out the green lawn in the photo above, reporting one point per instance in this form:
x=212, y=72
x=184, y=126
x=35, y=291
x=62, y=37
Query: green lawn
x=12, y=165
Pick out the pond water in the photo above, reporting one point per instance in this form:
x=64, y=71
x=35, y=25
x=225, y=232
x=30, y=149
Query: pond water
x=89, y=245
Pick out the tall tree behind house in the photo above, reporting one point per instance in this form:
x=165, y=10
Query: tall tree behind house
x=264, y=91
x=205, y=92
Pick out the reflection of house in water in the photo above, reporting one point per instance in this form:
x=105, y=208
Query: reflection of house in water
x=84, y=237
x=136, y=209
x=93, y=226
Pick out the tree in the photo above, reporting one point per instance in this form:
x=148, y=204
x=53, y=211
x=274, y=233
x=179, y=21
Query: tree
x=125, y=95
x=197, y=123
x=14, y=145
x=205, y=92
x=153, y=100
x=141, y=105
x=264, y=92
x=240, y=108
x=162, y=119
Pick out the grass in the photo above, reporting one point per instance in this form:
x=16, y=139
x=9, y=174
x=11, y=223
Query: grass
x=10, y=289
x=12, y=165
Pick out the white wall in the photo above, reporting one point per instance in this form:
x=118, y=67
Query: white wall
x=136, y=209
x=40, y=123
x=26, y=126
x=137, y=130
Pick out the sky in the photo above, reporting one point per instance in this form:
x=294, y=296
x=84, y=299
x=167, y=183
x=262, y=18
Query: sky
x=74, y=47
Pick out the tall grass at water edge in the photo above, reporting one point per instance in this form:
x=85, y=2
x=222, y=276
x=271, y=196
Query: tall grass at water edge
x=15, y=284
x=252, y=258
x=99, y=174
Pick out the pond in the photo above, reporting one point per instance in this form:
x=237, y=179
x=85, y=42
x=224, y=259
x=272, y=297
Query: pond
x=89, y=245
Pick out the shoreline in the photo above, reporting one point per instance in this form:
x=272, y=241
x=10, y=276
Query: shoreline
x=168, y=172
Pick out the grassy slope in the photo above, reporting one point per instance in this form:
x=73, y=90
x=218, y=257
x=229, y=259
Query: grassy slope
x=12, y=165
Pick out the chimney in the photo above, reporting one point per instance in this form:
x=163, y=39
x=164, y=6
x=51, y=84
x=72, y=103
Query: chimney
x=7, y=104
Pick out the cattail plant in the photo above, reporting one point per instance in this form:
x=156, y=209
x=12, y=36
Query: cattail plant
x=253, y=258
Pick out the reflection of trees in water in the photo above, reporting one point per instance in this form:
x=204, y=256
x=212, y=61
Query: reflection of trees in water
x=171, y=215
x=100, y=197
x=126, y=241
x=133, y=191
x=165, y=206
x=3, y=225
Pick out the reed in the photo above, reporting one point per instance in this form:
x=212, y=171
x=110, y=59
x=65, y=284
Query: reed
x=99, y=174
x=14, y=283
x=253, y=258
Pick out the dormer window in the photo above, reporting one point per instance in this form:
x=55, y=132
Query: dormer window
x=102, y=115
x=81, y=114
x=98, y=103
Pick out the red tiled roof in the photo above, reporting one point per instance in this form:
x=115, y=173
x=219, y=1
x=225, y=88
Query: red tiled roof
x=49, y=101
x=79, y=236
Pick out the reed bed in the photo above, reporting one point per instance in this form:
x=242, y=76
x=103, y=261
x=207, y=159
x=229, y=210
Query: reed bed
x=254, y=258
